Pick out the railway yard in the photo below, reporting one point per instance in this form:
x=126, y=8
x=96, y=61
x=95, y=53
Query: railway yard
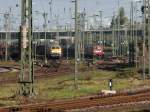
x=54, y=89
x=75, y=56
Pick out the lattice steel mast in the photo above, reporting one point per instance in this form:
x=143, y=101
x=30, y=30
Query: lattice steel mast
x=76, y=44
x=144, y=36
x=149, y=34
x=26, y=76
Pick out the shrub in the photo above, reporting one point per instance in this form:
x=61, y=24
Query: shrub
x=86, y=77
x=127, y=73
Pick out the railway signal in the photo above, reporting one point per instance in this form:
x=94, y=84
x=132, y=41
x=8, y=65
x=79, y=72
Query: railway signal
x=110, y=84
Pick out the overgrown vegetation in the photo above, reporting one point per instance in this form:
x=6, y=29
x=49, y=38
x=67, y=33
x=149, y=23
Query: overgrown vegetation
x=127, y=73
x=8, y=63
x=90, y=82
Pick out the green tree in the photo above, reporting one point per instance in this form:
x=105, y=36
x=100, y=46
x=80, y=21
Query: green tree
x=121, y=16
x=112, y=22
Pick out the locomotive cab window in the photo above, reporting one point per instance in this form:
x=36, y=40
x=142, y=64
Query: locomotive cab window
x=53, y=47
x=57, y=47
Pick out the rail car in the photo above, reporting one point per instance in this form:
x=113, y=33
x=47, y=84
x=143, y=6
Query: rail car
x=51, y=48
x=2, y=51
x=55, y=50
x=89, y=51
x=13, y=50
x=98, y=50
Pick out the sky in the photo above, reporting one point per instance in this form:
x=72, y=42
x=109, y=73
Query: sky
x=65, y=10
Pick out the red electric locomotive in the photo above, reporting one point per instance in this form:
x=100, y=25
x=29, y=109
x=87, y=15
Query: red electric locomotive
x=98, y=51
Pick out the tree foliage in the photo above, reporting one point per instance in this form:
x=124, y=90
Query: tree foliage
x=120, y=18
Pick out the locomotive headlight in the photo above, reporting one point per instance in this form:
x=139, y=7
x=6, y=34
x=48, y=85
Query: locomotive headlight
x=58, y=51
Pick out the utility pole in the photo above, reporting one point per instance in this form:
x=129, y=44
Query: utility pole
x=136, y=33
x=113, y=34
x=26, y=77
x=57, y=25
x=6, y=16
x=68, y=34
x=51, y=15
x=144, y=36
x=83, y=33
x=118, y=36
x=118, y=32
x=9, y=24
x=132, y=34
x=126, y=41
x=79, y=36
x=131, y=40
x=45, y=33
x=8, y=34
x=45, y=36
x=149, y=34
x=101, y=29
x=136, y=38
x=50, y=4
x=76, y=45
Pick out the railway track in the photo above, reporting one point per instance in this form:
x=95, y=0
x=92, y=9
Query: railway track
x=55, y=68
x=82, y=103
x=43, y=72
x=120, y=99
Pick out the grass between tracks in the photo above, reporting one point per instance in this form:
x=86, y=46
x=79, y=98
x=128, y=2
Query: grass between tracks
x=88, y=83
x=9, y=63
x=61, y=87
